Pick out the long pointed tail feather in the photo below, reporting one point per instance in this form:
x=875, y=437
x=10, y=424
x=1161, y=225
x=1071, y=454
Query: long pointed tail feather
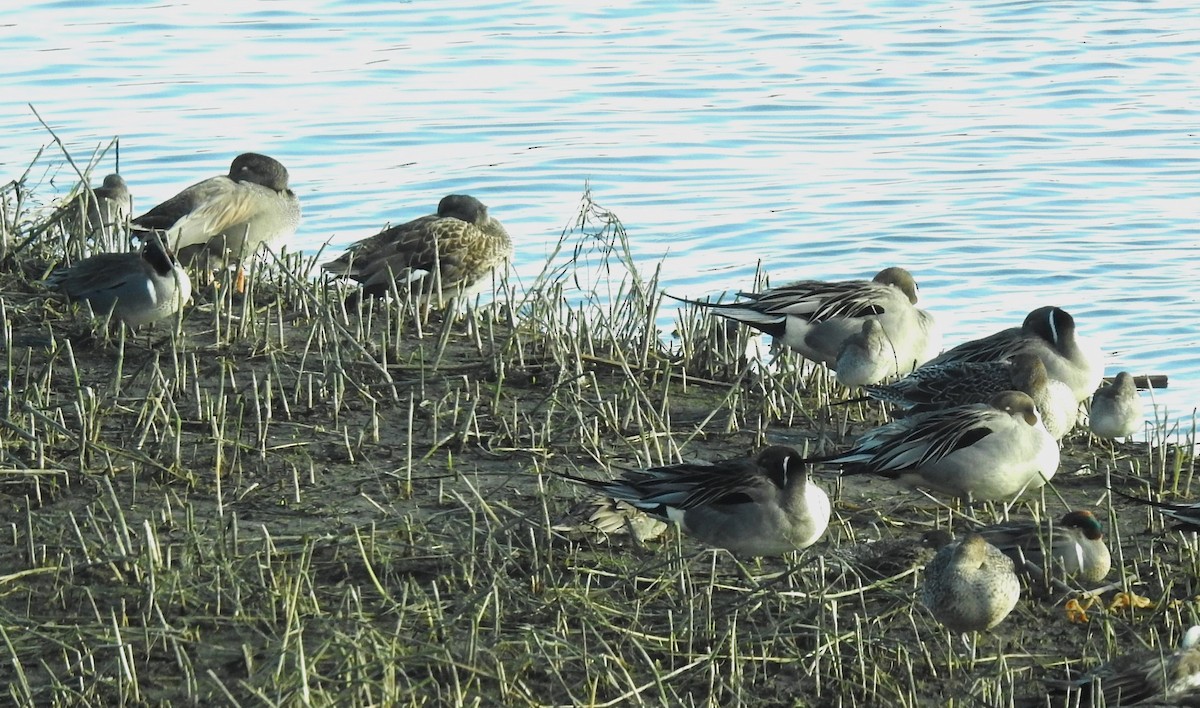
x=744, y=312
x=1186, y=516
x=848, y=401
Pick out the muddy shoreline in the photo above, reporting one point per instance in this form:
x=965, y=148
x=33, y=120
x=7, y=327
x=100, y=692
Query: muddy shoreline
x=287, y=501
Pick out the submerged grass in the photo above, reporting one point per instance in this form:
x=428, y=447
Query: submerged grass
x=287, y=499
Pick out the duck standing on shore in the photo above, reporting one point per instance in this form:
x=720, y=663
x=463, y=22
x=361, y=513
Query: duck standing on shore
x=224, y=220
x=1116, y=408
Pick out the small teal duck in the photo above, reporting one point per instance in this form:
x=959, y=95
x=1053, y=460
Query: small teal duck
x=970, y=585
x=1116, y=408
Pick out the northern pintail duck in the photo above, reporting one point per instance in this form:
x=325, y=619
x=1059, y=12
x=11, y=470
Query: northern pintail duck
x=936, y=386
x=103, y=209
x=1049, y=332
x=450, y=253
x=225, y=219
x=814, y=318
x=993, y=450
x=1116, y=408
x=751, y=507
x=866, y=357
x=607, y=517
x=1147, y=677
x=970, y=585
x=1185, y=516
x=1072, y=547
x=138, y=288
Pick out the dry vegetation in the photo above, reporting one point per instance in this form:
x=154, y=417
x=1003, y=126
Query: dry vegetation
x=284, y=502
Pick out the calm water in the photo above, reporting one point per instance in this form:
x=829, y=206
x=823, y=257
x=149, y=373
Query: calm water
x=1010, y=154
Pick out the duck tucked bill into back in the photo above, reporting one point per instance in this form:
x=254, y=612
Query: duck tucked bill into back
x=226, y=219
x=447, y=255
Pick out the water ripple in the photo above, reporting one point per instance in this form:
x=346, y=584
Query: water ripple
x=1010, y=153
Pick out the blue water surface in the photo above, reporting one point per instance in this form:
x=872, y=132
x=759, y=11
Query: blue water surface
x=1010, y=154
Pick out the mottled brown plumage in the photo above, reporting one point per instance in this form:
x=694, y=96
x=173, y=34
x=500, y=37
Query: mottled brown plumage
x=1149, y=677
x=970, y=585
x=449, y=253
x=605, y=517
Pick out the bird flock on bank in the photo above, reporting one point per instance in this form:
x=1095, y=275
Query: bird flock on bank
x=979, y=421
x=225, y=220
